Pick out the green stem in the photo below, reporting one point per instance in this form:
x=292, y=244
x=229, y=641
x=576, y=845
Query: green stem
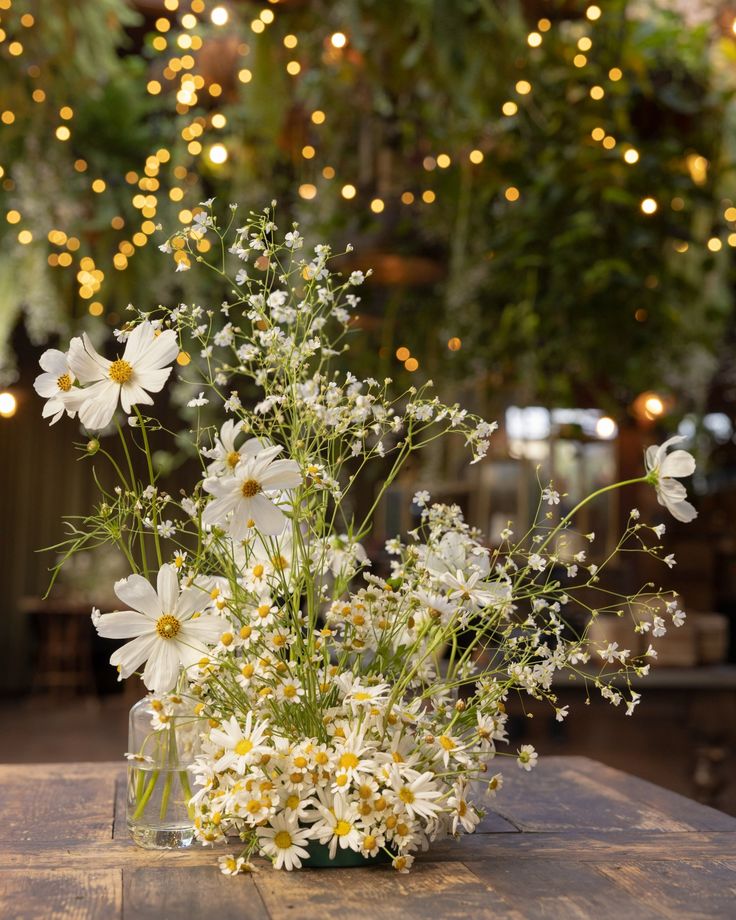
x=152, y=480
x=146, y=795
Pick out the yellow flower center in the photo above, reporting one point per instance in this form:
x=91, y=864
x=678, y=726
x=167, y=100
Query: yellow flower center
x=369, y=841
x=245, y=632
x=64, y=383
x=250, y=488
x=361, y=696
x=253, y=807
x=321, y=758
x=245, y=746
x=400, y=863
x=365, y=792
x=300, y=762
x=447, y=743
x=406, y=795
x=282, y=840
x=349, y=761
x=167, y=626
x=292, y=802
x=462, y=807
x=247, y=670
x=342, y=828
x=280, y=563
x=289, y=691
x=233, y=459
x=120, y=371
x=257, y=570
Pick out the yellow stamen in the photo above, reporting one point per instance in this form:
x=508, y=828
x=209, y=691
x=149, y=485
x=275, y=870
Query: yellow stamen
x=167, y=626
x=250, y=488
x=64, y=383
x=120, y=371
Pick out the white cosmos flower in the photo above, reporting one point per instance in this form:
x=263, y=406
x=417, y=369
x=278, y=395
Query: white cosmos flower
x=55, y=384
x=225, y=455
x=284, y=841
x=142, y=369
x=663, y=470
x=163, y=628
x=241, y=501
x=473, y=592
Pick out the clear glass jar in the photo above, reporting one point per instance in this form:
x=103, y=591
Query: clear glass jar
x=163, y=740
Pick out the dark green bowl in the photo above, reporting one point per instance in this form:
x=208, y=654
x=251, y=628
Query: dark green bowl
x=319, y=857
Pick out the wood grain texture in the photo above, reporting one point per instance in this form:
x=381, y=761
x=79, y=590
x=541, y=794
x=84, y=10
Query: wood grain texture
x=432, y=889
x=61, y=894
x=192, y=892
x=572, y=840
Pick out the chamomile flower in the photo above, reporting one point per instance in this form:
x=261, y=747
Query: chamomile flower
x=338, y=825
x=243, y=746
x=128, y=380
x=415, y=792
x=284, y=841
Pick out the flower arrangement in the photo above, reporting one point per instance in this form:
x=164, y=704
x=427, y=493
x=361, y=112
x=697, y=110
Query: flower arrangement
x=342, y=709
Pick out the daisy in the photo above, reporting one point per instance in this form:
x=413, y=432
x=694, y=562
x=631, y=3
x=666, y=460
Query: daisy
x=229, y=865
x=462, y=812
x=473, y=592
x=142, y=368
x=162, y=625
x=243, y=746
x=284, y=841
x=338, y=825
x=55, y=385
x=663, y=470
x=415, y=792
x=527, y=757
x=240, y=499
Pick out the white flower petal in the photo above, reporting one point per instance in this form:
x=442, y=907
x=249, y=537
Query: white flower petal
x=100, y=402
x=269, y=519
x=281, y=474
x=138, y=593
x=152, y=379
x=682, y=511
x=53, y=361
x=168, y=588
x=131, y=394
x=203, y=629
x=86, y=363
x=131, y=656
x=124, y=624
x=160, y=351
x=216, y=512
x=678, y=463
x=163, y=666
x=191, y=600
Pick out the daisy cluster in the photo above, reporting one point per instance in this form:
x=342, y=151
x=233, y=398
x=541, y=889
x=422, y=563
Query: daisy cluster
x=338, y=707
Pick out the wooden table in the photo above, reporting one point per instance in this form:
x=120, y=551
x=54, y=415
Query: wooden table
x=573, y=839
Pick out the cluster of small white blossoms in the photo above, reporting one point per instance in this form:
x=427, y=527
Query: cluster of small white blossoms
x=345, y=709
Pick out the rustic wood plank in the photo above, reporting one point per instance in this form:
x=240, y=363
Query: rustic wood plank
x=61, y=894
x=44, y=803
x=693, y=889
x=545, y=889
x=590, y=847
x=169, y=893
x=696, y=815
x=563, y=794
x=447, y=890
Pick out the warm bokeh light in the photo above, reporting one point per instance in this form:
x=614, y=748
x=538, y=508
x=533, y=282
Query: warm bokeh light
x=217, y=154
x=8, y=404
x=219, y=15
x=455, y=343
x=348, y=191
x=648, y=206
x=411, y=365
x=476, y=156
x=338, y=39
x=403, y=353
x=631, y=156
x=606, y=428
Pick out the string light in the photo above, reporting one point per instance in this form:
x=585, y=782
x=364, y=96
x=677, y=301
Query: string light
x=443, y=161
x=377, y=205
x=534, y=39
x=593, y=13
x=428, y=196
x=714, y=244
x=293, y=68
x=512, y=193
x=338, y=40
x=476, y=156
x=606, y=428
x=411, y=364
x=318, y=117
x=307, y=191
x=454, y=344
x=631, y=156
x=403, y=353
x=217, y=154
x=509, y=108
x=523, y=87
x=348, y=191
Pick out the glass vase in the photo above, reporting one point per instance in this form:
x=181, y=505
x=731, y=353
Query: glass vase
x=163, y=740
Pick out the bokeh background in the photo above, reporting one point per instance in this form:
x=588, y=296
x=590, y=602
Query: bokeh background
x=546, y=192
